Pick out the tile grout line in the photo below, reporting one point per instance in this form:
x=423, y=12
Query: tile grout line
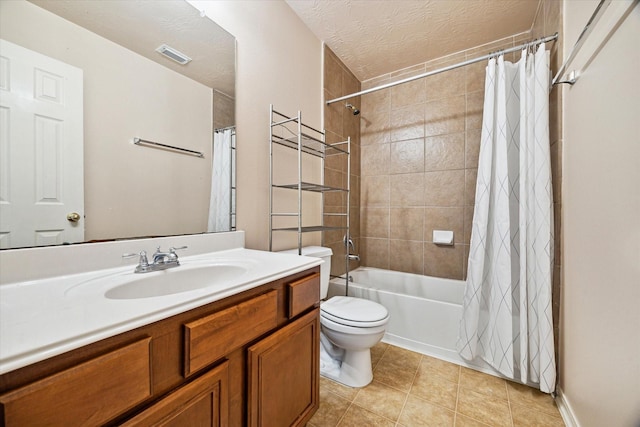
x=455, y=410
x=406, y=397
x=509, y=403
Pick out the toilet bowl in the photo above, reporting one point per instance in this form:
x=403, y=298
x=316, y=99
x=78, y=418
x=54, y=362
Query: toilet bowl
x=349, y=327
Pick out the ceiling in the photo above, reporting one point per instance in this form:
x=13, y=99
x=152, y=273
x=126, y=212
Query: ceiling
x=143, y=25
x=375, y=37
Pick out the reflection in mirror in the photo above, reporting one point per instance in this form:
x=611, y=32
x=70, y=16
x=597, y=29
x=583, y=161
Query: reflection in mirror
x=79, y=80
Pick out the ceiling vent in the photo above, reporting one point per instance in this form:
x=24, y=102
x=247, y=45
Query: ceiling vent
x=173, y=54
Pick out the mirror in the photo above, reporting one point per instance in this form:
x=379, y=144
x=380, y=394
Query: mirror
x=98, y=83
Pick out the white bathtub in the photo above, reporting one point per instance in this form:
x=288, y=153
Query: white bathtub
x=424, y=312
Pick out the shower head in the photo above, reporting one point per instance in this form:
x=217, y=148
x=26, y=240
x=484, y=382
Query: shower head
x=354, y=109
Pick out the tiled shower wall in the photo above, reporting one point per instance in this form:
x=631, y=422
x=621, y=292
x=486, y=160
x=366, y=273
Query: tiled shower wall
x=223, y=110
x=548, y=21
x=419, y=154
x=414, y=164
x=340, y=123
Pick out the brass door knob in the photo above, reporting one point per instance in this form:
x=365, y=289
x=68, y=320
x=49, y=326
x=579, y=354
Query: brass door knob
x=73, y=217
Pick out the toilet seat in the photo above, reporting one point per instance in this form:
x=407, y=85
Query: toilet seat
x=354, y=312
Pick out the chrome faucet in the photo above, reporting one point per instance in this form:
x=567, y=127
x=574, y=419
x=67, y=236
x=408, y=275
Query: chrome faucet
x=348, y=243
x=160, y=260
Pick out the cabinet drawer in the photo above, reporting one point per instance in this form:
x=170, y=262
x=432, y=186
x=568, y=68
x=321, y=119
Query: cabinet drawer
x=88, y=394
x=202, y=402
x=212, y=337
x=303, y=294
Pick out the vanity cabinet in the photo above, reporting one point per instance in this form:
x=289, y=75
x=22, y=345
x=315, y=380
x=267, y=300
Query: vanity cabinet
x=249, y=359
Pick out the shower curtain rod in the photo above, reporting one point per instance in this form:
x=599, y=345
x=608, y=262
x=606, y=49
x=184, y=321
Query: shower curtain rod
x=448, y=68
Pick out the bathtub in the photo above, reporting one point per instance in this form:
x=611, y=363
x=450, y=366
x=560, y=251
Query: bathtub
x=424, y=312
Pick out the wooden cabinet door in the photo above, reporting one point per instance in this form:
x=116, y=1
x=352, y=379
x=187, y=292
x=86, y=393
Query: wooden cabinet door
x=203, y=402
x=283, y=374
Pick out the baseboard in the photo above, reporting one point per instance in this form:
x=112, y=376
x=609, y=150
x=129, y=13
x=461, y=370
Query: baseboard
x=565, y=409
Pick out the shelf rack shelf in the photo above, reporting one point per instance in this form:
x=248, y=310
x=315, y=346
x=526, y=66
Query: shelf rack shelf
x=291, y=132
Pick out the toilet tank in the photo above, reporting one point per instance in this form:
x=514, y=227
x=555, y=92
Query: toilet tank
x=325, y=268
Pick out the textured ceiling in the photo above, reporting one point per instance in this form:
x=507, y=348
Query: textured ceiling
x=375, y=37
x=143, y=25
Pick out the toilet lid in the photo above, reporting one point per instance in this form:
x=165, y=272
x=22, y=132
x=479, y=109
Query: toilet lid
x=354, y=311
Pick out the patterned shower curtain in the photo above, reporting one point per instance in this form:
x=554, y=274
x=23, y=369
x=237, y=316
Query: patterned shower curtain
x=507, y=311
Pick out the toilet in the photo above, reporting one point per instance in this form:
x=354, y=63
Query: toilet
x=349, y=327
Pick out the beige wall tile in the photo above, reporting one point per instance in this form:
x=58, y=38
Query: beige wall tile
x=475, y=75
x=374, y=191
x=376, y=101
x=407, y=123
x=444, y=188
x=350, y=123
x=354, y=194
x=406, y=223
x=472, y=147
x=407, y=190
x=443, y=261
x=407, y=156
x=444, y=152
x=473, y=111
x=444, y=116
x=333, y=116
x=356, y=158
x=470, y=179
x=465, y=261
x=375, y=159
x=406, y=256
x=332, y=75
x=436, y=218
x=467, y=223
x=445, y=85
x=374, y=222
x=374, y=127
x=374, y=252
x=406, y=94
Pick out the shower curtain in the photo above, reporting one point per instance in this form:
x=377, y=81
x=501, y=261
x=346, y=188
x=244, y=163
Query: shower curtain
x=220, y=201
x=507, y=312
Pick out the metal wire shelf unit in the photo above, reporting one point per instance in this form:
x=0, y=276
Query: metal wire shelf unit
x=291, y=132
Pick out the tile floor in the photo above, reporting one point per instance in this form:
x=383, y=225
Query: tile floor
x=410, y=389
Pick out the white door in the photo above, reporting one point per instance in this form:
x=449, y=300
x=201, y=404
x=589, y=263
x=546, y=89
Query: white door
x=41, y=156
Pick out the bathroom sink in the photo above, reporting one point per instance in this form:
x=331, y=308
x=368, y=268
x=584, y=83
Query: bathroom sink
x=177, y=280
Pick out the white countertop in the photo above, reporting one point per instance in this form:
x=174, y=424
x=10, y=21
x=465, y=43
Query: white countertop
x=47, y=317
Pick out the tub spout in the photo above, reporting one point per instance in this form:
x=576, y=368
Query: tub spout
x=353, y=257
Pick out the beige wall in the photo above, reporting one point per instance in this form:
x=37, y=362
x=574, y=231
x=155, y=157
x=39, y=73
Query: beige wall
x=279, y=62
x=600, y=362
x=122, y=101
